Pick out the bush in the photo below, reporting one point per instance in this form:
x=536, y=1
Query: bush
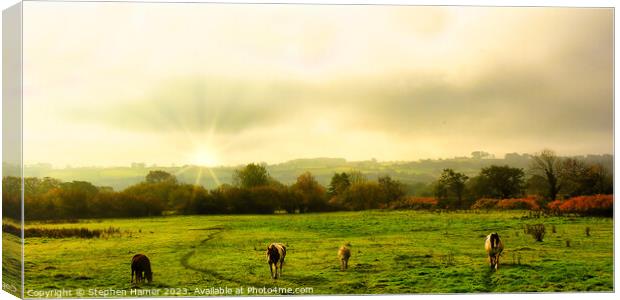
x=596, y=205
x=528, y=203
x=84, y=233
x=537, y=231
x=485, y=203
x=414, y=203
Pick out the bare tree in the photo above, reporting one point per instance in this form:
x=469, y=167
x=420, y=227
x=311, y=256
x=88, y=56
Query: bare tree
x=549, y=166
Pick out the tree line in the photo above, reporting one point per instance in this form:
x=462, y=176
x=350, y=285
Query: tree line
x=550, y=178
x=254, y=191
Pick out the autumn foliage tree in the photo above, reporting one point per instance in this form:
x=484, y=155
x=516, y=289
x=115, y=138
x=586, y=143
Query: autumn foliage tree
x=312, y=196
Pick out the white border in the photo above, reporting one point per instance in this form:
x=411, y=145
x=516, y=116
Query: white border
x=563, y=3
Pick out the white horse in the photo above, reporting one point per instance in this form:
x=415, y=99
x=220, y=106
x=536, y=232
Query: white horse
x=494, y=247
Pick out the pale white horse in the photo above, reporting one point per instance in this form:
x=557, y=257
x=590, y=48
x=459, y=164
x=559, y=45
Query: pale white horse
x=494, y=247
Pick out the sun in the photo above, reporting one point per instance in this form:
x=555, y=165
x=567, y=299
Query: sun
x=203, y=157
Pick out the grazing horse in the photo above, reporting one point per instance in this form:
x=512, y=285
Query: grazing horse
x=140, y=264
x=344, y=253
x=275, y=254
x=494, y=247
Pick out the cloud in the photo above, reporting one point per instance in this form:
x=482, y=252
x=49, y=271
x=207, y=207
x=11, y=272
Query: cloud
x=351, y=81
x=198, y=104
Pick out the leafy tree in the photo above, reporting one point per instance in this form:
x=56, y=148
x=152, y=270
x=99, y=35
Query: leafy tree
x=181, y=194
x=75, y=197
x=139, y=205
x=501, y=182
x=339, y=184
x=450, y=189
x=359, y=196
x=205, y=202
x=160, y=176
x=393, y=189
x=264, y=199
x=357, y=177
x=250, y=176
x=289, y=200
x=238, y=199
x=36, y=187
x=11, y=197
x=155, y=194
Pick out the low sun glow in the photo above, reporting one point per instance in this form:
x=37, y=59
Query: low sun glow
x=203, y=157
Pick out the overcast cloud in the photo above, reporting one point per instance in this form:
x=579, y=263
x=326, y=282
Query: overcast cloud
x=115, y=83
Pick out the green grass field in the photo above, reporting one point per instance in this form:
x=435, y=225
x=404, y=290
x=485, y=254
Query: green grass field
x=392, y=252
x=11, y=264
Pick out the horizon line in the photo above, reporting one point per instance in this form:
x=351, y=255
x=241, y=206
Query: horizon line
x=490, y=156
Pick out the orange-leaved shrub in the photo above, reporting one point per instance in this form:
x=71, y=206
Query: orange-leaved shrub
x=414, y=203
x=595, y=205
x=528, y=203
x=518, y=203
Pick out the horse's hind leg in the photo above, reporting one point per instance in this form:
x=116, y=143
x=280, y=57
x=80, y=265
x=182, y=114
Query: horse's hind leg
x=497, y=262
x=271, y=270
x=280, y=274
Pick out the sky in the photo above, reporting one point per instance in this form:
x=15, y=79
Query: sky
x=223, y=84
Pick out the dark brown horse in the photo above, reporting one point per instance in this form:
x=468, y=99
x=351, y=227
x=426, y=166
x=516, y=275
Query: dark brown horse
x=141, y=266
x=275, y=254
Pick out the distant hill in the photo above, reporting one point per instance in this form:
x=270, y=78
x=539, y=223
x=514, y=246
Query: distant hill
x=410, y=172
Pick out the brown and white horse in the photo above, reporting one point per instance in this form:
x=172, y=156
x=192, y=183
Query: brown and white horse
x=275, y=255
x=494, y=247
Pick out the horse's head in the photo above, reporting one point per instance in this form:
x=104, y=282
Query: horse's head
x=272, y=252
x=149, y=276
